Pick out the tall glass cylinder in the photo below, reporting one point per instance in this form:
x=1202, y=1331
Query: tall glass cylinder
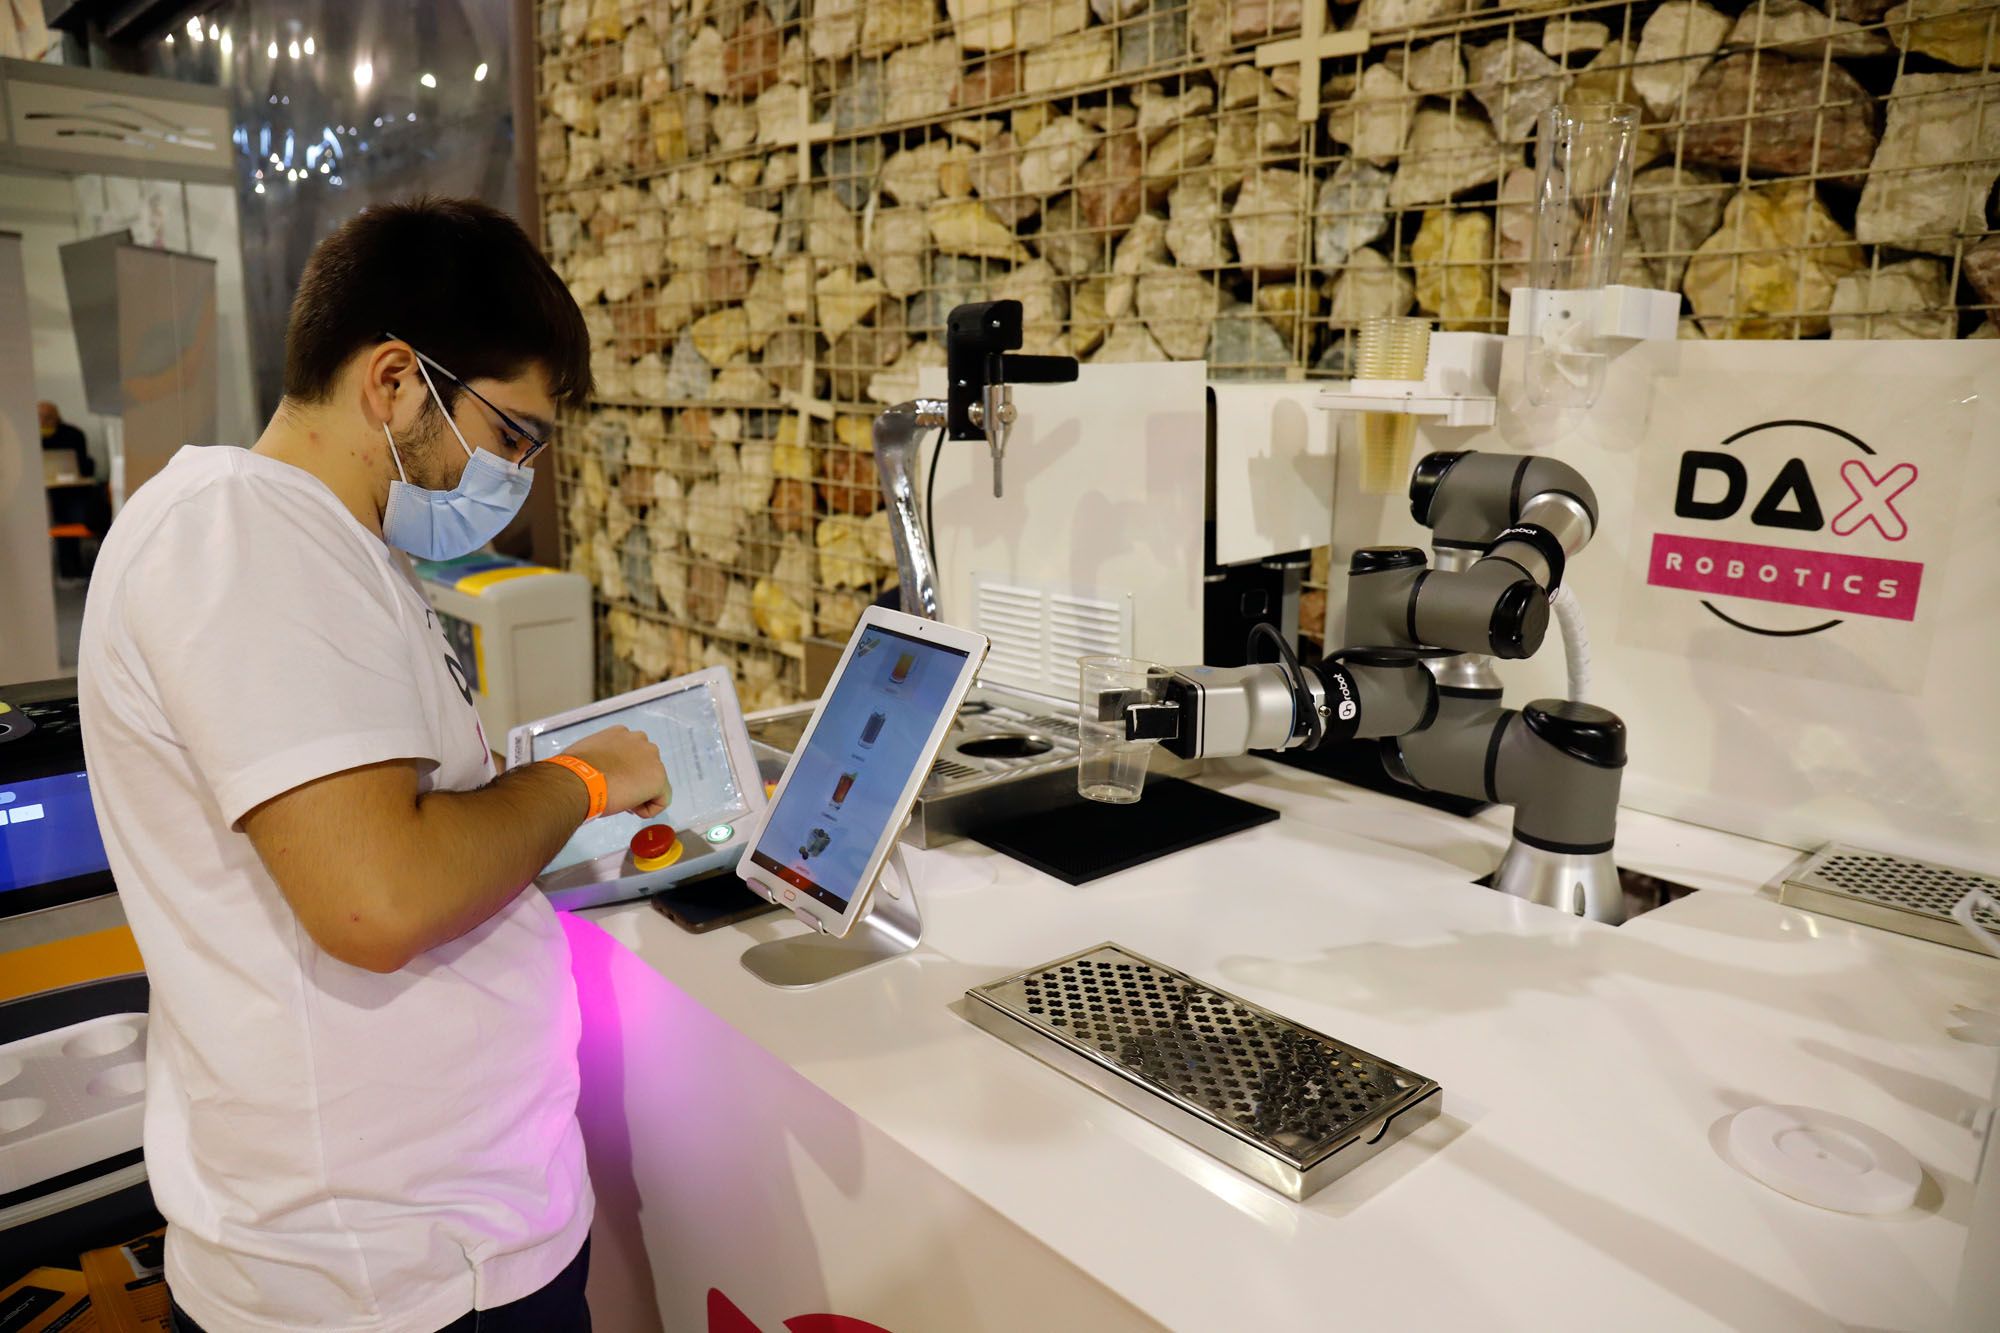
x=1583, y=200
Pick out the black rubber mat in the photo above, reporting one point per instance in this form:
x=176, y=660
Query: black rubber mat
x=1087, y=840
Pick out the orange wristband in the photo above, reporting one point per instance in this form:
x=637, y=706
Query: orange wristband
x=592, y=779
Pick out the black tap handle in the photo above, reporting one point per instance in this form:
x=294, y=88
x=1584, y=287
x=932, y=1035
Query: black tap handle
x=976, y=336
x=1016, y=369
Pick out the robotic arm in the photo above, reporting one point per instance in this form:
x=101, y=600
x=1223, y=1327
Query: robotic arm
x=1421, y=682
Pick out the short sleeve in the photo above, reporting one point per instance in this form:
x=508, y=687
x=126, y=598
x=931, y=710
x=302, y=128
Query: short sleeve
x=272, y=635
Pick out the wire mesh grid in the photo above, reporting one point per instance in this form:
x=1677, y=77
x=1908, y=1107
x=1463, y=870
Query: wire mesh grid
x=767, y=207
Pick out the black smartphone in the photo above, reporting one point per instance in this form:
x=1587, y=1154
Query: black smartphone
x=702, y=905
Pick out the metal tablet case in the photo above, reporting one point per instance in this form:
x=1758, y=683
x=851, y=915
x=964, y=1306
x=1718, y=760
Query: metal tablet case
x=1285, y=1105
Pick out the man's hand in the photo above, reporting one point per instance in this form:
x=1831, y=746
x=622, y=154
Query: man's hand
x=634, y=778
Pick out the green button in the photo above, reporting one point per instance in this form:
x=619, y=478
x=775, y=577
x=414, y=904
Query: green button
x=720, y=833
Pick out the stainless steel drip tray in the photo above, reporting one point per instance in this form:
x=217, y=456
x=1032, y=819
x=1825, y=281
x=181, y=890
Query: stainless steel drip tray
x=1283, y=1104
x=1898, y=893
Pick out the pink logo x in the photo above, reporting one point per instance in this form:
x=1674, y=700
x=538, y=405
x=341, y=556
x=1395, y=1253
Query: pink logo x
x=1874, y=499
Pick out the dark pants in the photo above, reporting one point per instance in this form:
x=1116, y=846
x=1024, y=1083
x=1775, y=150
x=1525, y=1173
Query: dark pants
x=556, y=1308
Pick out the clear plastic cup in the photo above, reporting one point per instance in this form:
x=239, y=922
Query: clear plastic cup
x=1110, y=768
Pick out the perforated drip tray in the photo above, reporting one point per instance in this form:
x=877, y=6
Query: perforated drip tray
x=1898, y=893
x=1283, y=1104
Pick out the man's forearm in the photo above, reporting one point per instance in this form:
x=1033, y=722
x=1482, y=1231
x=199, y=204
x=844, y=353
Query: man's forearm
x=480, y=848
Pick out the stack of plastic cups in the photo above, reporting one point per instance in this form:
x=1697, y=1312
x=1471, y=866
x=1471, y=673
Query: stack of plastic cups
x=1392, y=347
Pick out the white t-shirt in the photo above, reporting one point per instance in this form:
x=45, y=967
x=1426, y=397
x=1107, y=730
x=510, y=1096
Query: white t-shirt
x=334, y=1148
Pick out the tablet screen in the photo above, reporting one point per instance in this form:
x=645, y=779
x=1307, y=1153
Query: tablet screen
x=848, y=782
x=687, y=726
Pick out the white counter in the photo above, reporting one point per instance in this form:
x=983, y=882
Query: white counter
x=1573, y=1178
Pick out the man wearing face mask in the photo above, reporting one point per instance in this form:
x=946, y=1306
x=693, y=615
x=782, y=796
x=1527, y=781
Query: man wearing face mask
x=362, y=1073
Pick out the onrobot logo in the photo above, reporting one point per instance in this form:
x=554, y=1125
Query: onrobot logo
x=1790, y=465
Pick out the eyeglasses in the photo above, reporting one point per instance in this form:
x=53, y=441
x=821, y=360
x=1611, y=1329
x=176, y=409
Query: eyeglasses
x=524, y=439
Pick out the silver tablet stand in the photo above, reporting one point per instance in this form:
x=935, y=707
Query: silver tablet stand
x=891, y=927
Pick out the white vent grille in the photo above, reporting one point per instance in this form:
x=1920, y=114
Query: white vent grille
x=1039, y=632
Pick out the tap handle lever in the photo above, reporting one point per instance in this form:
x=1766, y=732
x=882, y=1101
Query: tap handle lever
x=1038, y=369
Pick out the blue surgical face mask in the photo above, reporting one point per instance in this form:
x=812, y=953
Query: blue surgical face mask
x=443, y=525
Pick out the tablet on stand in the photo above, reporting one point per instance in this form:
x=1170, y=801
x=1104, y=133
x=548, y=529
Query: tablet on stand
x=835, y=823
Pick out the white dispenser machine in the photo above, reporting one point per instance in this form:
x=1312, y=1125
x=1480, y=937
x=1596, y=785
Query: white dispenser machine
x=521, y=633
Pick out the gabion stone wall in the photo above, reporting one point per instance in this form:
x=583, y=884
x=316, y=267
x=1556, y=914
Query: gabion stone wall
x=767, y=207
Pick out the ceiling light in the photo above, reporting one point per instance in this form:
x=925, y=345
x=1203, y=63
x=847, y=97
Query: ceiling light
x=170, y=39
x=292, y=174
x=364, y=74
x=271, y=51
x=194, y=29
x=429, y=80
x=260, y=187
x=227, y=44
x=479, y=75
x=309, y=45
x=411, y=116
x=293, y=49
x=213, y=32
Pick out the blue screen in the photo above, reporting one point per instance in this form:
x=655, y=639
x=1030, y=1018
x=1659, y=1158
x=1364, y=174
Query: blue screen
x=48, y=832
x=847, y=782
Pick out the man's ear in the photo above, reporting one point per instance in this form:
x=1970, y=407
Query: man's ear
x=391, y=387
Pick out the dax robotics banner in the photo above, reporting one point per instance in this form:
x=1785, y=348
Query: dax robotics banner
x=1791, y=523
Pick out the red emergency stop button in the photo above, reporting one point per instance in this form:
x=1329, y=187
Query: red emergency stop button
x=655, y=847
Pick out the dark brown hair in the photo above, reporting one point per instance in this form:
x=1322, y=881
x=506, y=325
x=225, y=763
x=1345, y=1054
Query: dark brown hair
x=457, y=279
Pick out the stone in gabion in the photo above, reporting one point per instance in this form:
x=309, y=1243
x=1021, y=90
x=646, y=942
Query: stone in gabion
x=1674, y=49
x=851, y=167
x=1373, y=123
x=1351, y=211
x=1911, y=299
x=1160, y=38
x=1370, y=286
x=1194, y=224
x=1515, y=83
x=1053, y=155
x=1778, y=251
x=1806, y=117
x=968, y=227
x=1178, y=308
x=1675, y=209
x=1913, y=199
x=1265, y=221
x=1243, y=346
x=1451, y=252
x=1447, y=153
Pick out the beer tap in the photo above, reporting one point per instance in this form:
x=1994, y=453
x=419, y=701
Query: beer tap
x=980, y=366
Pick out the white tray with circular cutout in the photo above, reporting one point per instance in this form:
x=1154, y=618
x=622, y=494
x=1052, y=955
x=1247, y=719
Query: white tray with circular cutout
x=70, y=1098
